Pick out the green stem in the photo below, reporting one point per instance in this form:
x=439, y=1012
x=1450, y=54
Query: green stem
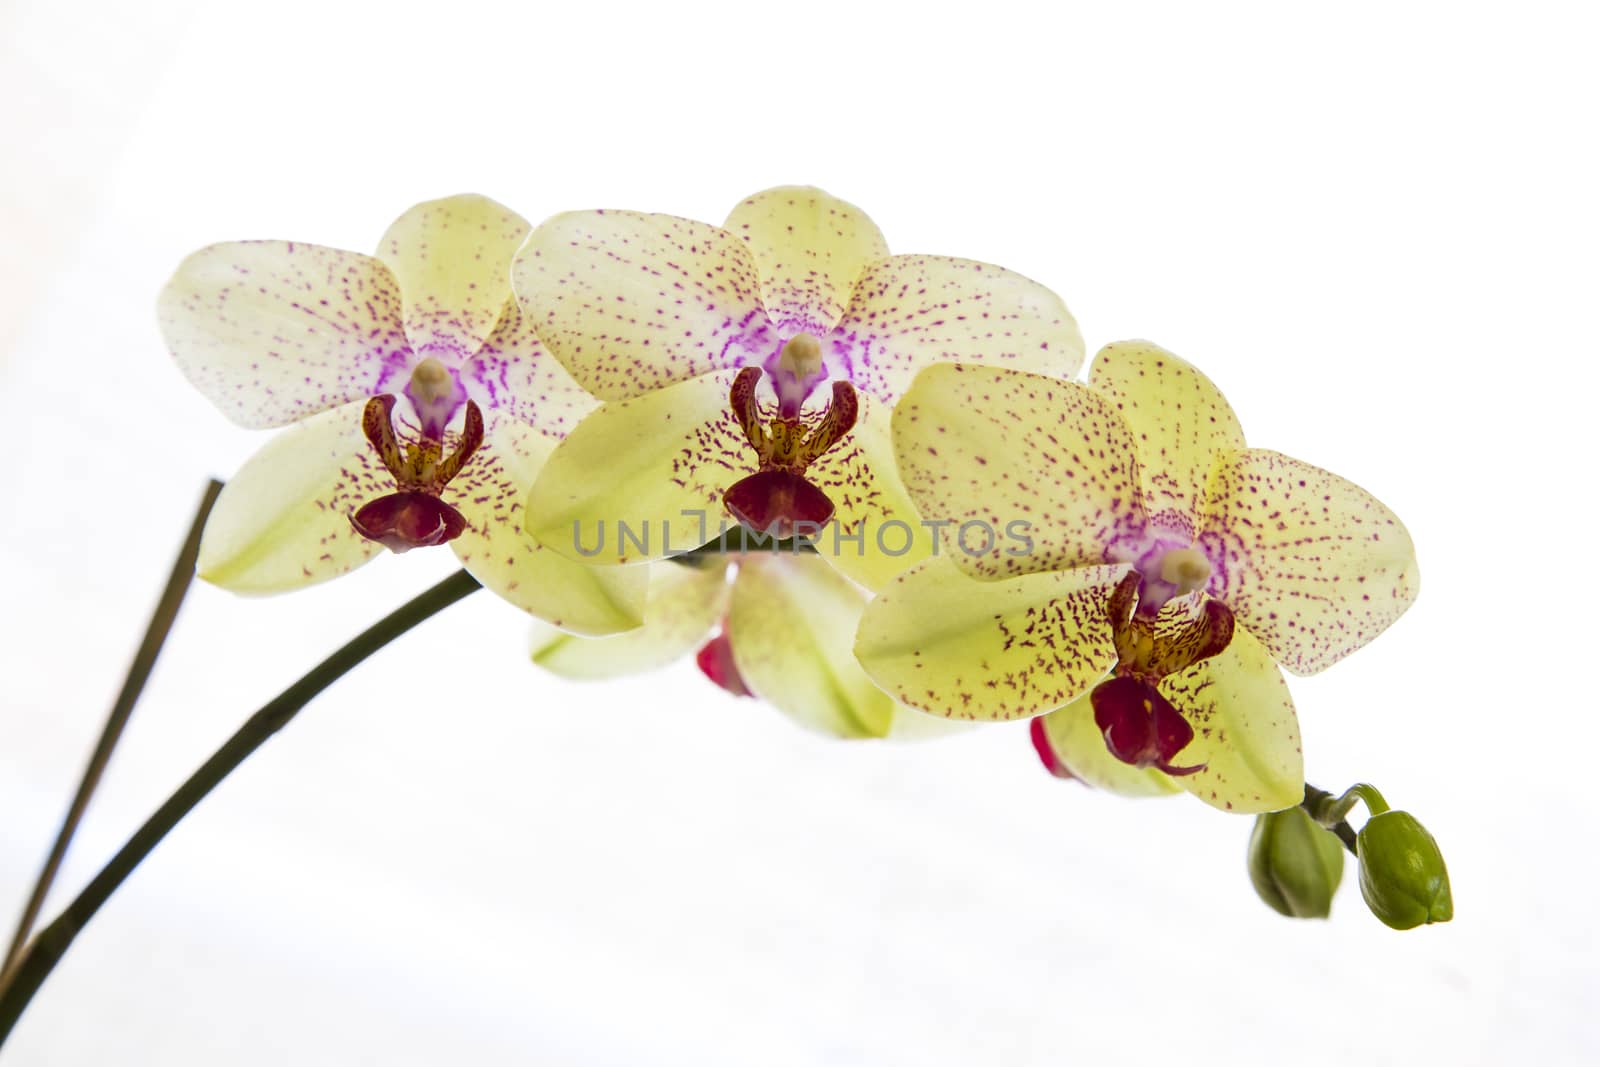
x=1329, y=811
x=144, y=661
x=46, y=950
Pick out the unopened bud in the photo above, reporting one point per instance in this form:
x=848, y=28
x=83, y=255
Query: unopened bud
x=1295, y=865
x=1403, y=877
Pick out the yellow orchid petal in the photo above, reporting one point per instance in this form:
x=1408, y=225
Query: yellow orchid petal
x=1245, y=730
x=876, y=533
x=283, y=522
x=1029, y=473
x=939, y=640
x=914, y=724
x=642, y=479
x=1081, y=747
x=631, y=303
x=790, y=624
x=1314, y=565
x=452, y=258
x=910, y=312
x=809, y=249
x=573, y=595
x=684, y=605
x=1180, y=422
x=275, y=331
x=513, y=374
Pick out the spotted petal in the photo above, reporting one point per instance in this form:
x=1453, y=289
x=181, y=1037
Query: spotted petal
x=631, y=303
x=513, y=374
x=642, y=479
x=274, y=331
x=1180, y=422
x=941, y=641
x=684, y=605
x=790, y=624
x=498, y=552
x=1313, y=565
x=283, y=522
x=452, y=258
x=809, y=249
x=1245, y=730
x=910, y=312
x=1030, y=473
x=876, y=532
x=1078, y=743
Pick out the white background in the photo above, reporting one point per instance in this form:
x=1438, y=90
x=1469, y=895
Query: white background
x=1373, y=226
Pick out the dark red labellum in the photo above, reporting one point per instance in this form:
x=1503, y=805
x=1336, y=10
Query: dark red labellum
x=1046, y=751
x=779, y=504
x=715, y=660
x=402, y=521
x=1140, y=725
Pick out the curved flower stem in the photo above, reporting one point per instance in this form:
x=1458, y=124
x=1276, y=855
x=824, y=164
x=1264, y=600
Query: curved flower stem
x=46, y=950
x=155, y=635
x=1321, y=804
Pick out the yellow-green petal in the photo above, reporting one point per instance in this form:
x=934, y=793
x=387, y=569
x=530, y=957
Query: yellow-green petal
x=910, y=312
x=631, y=303
x=1180, y=422
x=275, y=331
x=1245, y=730
x=683, y=606
x=452, y=258
x=495, y=548
x=514, y=375
x=809, y=249
x=283, y=521
x=1081, y=747
x=642, y=479
x=790, y=625
x=876, y=532
x=1028, y=473
x=942, y=641
x=1314, y=565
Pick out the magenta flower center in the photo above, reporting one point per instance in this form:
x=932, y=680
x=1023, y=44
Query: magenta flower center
x=435, y=395
x=1169, y=565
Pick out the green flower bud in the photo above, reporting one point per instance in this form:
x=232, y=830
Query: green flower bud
x=1295, y=864
x=1402, y=872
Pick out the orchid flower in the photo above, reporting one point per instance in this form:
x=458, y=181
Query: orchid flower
x=423, y=408
x=749, y=371
x=1160, y=550
x=773, y=625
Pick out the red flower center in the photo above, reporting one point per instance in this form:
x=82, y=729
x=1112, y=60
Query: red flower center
x=414, y=516
x=778, y=500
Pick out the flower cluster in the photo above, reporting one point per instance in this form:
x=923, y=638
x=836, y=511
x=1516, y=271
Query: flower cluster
x=959, y=529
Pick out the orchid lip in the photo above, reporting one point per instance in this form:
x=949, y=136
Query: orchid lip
x=716, y=662
x=1045, y=751
x=406, y=520
x=1140, y=725
x=779, y=504
x=414, y=516
x=777, y=499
